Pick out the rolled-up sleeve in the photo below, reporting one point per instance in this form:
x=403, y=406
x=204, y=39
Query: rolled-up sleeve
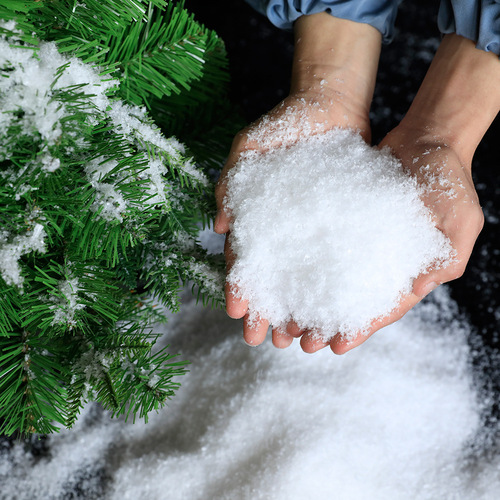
x=477, y=20
x=381, y=14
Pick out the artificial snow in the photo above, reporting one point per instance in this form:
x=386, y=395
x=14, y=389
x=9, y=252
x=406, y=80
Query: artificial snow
x=328, y=232
x=395, y=420
x=210, y=281
x=66, y=306
x=50, y=164
x=33, y=78
x=109, y=201
x=11, y=250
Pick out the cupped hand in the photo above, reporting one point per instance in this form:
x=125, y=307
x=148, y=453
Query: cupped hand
x=436, y=140
x=451, y=198
x=303, y=113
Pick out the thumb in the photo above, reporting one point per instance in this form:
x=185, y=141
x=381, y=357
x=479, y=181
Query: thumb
x=222, y=219
x=424, y=284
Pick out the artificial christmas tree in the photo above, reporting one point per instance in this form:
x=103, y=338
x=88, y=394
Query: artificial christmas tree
x=99, y=206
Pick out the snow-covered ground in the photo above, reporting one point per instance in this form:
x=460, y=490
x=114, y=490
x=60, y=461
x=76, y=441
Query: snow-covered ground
x=394, y=419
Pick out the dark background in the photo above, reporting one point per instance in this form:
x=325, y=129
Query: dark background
x=260, y=57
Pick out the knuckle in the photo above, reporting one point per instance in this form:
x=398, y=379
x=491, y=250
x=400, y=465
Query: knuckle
x=240, y=141
x=475, y=218
x=458, y=273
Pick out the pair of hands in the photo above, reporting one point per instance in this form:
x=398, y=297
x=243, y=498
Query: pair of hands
x=459, y=217
x=333, y=77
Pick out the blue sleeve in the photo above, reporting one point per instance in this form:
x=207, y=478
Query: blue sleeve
x=381, y=14
x=477, y=20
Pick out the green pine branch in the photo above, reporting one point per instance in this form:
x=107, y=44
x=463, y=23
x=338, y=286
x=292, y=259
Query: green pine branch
x=99, y=207
x=32, y=395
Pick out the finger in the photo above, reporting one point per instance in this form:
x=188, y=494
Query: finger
x=222, y=222
x=462, y=232
x=427, y=282
x=236, y=307
x=254, y=331
x=293, y=329
x=311, y=342
x=340, y=344
x=281, y=339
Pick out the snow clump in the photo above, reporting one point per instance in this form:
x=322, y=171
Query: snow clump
x=328, y=232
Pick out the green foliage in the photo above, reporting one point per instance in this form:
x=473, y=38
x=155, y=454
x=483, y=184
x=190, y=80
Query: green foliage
x=99, y=209
x=132, y=39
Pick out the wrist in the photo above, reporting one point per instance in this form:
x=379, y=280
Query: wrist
x=458, y=99
x=336, y=58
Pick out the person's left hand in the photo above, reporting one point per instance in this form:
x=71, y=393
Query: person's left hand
x=454, y=206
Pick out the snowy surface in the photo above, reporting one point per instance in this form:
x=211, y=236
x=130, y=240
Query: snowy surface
x=328, y=232
x=393, y=419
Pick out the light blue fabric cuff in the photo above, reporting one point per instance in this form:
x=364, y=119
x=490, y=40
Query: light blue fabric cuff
x=477, y=20
x=381, y=14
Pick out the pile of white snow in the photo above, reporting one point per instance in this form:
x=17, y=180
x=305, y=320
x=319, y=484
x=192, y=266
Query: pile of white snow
x=393, y=420
x=328, y=232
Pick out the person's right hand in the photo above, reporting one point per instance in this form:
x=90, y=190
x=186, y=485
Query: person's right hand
x=299, y=115
x=333, y=77
x=436, y=141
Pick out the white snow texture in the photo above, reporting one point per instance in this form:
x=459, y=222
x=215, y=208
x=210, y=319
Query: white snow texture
x=29, y=84
x=328, y=232
x=391, y=420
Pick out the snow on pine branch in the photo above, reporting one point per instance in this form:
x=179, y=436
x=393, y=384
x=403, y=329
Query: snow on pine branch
x=108, y=198
x=29, y=95
x=66, y=306
x=54, y=103
x=11, y=250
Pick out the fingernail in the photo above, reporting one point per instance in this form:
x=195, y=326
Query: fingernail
x=427, y=289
